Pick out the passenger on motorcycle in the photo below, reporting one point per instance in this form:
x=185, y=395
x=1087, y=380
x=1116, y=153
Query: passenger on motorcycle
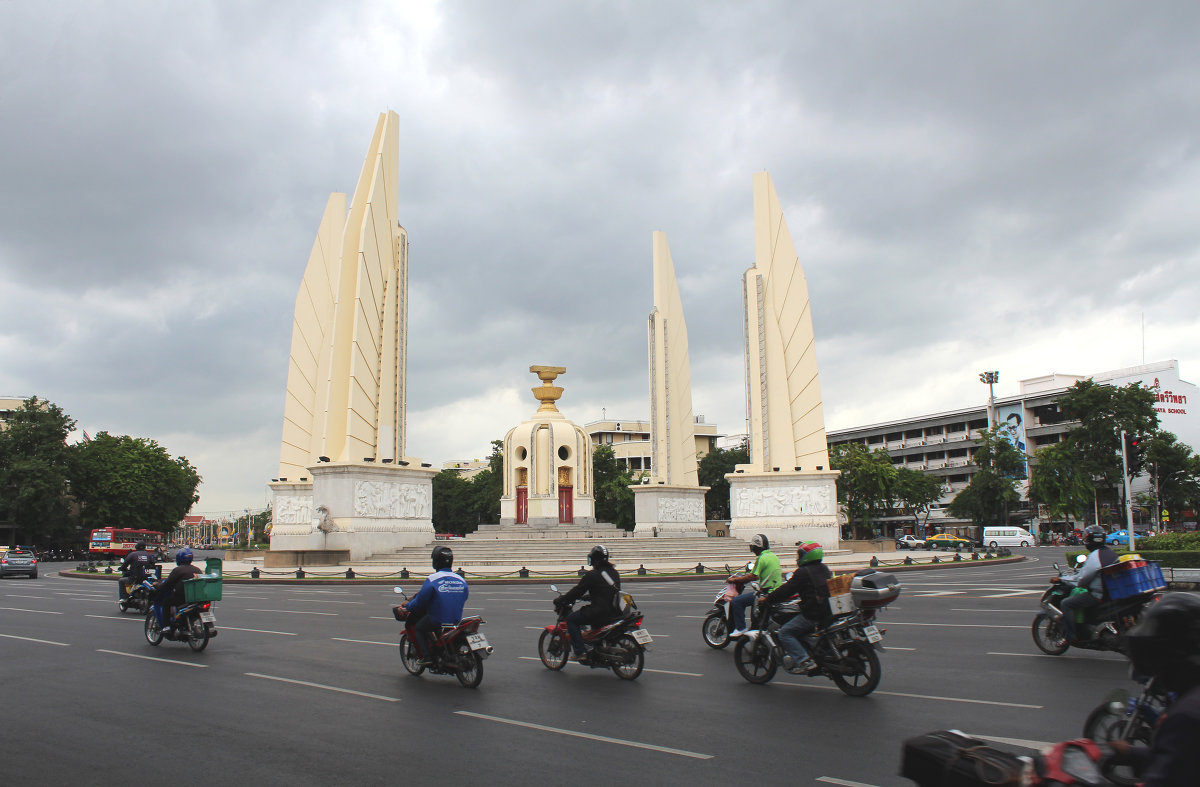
x=810, y=582
x=1166, y=645
x=600, y=585
x=170, y=590
x=769, y=575
x=1089, y=577
x=134, y=568
x=439, y=601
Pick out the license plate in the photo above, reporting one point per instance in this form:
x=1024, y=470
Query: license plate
x=208, y=617
x=872, y=633
x=477, y=641
x=642, y=637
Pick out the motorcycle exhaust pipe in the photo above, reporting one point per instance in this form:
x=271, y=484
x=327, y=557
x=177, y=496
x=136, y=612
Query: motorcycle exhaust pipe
x=490, y=650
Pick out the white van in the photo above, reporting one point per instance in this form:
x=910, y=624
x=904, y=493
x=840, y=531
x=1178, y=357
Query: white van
x=1008, y=537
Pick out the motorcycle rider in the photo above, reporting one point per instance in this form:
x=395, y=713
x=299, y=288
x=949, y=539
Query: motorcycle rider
x=600, y=585
x=1166, y=645
x=170, y=591
x=134, y=567
x=769, y=575
x=439, y=601
x=810, y=582
x=1089, y=577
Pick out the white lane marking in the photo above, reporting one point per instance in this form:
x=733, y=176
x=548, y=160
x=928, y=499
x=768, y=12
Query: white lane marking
x=40, y=598
x=955, y=625
x=843, y=782
x=240, y=596
x=389, y=617
x=323, y=686
x=101, y=600
x=31, y=639
x=533, y=610
x=110, y=617
x=692, y=617
x=1038, y=745
x=586, y=735
x=964, y=609
x=885, y=647
x=327, y=592
x=366, y=641
x=74, y=593
x=323, y=601
x=292, y=612
x=1062, y=658
x=152, y=658
x=921, y=696
x=258, y=631
x=647, y=669
x=40, y=611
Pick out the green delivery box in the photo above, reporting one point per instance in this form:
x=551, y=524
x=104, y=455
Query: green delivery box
x=203, y=588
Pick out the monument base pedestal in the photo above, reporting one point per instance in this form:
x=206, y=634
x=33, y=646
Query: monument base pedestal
x=786, y=507
x=361, y=508
x=661, y=510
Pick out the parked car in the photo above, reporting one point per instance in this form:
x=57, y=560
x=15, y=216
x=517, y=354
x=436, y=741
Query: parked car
x=18, y=560
x=949, y=541
x=1121, y=537
x=909, y=541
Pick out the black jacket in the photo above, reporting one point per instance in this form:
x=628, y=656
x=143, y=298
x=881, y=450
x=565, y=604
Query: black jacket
x=810, y=583
x=601, y=593
x=1174, y=758
x=137, y=564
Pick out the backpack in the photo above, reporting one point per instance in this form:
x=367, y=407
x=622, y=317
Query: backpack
x=622, y=602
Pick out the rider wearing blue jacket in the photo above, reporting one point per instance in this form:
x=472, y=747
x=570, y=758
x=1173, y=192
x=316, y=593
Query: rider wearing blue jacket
x=440, y=600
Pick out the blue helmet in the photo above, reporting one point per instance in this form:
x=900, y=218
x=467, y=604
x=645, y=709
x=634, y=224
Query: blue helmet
x=183, y=556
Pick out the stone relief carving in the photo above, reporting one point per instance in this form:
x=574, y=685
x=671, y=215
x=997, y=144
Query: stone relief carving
x=784, y=501
x=680, y=509
x=323, y=521
x=396, y=501
x=293, y=510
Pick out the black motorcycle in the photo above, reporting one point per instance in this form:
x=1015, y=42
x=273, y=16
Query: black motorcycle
x=141, y=595
x=717, y=622
x=1131, y=719
x=1104, y=624
x=619, y=645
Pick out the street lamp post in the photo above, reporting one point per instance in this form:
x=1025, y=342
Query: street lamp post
x=990, y=378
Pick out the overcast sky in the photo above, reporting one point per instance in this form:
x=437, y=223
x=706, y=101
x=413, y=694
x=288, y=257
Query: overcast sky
x=1005, y=186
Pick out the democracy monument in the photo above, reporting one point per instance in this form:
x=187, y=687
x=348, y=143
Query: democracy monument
x=348, y=491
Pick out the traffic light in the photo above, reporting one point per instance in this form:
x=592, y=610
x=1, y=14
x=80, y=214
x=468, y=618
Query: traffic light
x=1135, y=450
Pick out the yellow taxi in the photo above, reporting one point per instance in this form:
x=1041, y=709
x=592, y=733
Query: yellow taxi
x=949, y=541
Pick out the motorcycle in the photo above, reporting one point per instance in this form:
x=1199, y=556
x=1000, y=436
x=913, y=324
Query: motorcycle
x=1125, y=718
x=619, y=645
x=194, y=623
x=141, y=595
x=843, y=648
x=1104, y=624
x=717, y=623
x=458, y=648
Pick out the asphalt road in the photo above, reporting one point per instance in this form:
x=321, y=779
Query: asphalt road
x=304, y=686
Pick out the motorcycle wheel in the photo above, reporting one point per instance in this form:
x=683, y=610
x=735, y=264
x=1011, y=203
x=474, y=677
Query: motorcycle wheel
x=552, y=651
x=123, y=603
x=154, y=634
x=1048, y=636
x=867, y=673
x=470, y=666
x=754, y=659
x=197, y=634
x=715, y=631
x=1105, y=724
x=409, y=657
x=632, y=656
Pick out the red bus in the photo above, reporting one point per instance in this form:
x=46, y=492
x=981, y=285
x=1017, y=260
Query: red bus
x=120, y=541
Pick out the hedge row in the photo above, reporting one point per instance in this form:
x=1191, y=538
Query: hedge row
x=1173, y=558
x=1171, y=541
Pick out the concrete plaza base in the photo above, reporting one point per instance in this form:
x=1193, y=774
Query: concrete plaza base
x=786, y=507
x=661, y=510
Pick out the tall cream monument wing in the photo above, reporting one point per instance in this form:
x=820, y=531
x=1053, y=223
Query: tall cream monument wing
x=346, y=488
x=670, y=501
x=787, y=490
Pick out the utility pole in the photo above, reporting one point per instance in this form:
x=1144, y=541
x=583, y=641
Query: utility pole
x=1128, y=503
x=990, y=379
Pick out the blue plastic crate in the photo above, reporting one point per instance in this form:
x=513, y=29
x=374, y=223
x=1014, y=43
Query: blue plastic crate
x=1135, y=581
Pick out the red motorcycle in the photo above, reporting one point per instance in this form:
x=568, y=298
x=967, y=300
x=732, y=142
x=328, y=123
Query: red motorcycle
x=619, y=645
x=458, y=648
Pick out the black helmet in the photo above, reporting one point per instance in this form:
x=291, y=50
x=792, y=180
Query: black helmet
x=759, y=543
x=442, y=557
x=1166, y=643
x=140, y=545
x=598, y=555
x=1093, y=537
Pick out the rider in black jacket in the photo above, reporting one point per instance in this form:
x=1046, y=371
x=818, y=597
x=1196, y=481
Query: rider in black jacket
x=600, y=585
x=134, y=568
x=810, y=582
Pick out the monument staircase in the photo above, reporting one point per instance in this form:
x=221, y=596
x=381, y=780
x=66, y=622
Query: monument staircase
x=496, y=549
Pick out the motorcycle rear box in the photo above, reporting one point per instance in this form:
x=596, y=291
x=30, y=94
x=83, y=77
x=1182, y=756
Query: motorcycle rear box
x=1132, y=578
x=874, y=589
x=948, y=758
x=202, y=588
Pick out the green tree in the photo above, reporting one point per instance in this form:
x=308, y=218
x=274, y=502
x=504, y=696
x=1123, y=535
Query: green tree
x=1176, y=471
x=1103, y=411
x=452, y=508
x=711, y=471
x=34, y=470
x=1059, y=481
x=993, y=486
x=487, y=486
x=914, y=490
x=611, y=481
x=867, y=484
x=128, y=481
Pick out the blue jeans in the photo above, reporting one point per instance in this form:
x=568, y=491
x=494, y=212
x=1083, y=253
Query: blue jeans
x=790, y=633
x=737, y=609
x=587, y=616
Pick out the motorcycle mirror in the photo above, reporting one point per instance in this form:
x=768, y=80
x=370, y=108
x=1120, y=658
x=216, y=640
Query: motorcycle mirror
x=1080, y=560
x=727, y=569
x=750, y=566
x=1056, y=567
x=398, y=589
x=554, y=588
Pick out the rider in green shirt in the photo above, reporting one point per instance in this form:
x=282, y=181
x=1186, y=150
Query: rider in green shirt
x=769, y=575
